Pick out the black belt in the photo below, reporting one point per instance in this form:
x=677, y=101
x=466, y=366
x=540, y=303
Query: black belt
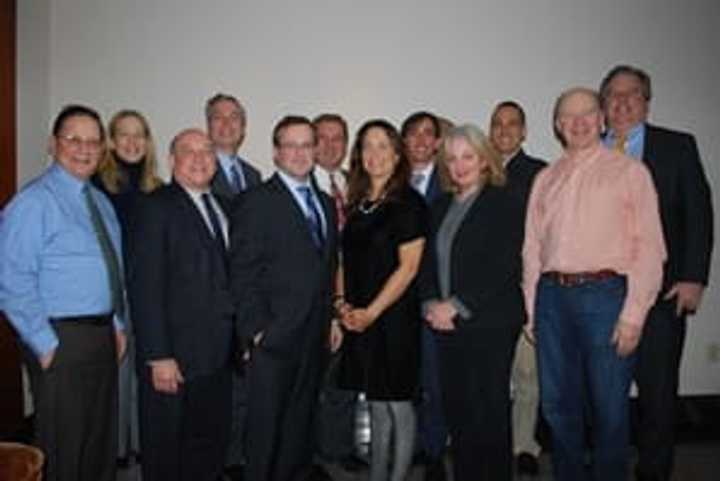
x=92, y=320
x=571, y=279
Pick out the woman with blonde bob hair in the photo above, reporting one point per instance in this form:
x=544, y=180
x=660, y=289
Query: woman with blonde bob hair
x=126, y=173
x=470, y=288
x=130, y=143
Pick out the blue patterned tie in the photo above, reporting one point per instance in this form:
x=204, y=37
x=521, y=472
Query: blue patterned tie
x=237, y=179
x=313, y=217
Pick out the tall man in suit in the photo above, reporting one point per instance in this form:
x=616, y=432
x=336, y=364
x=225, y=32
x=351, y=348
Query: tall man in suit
x=61, y=288
x=422, y=136
x=687, y=219
x=183, y=316
x=226, y=123
x=284, y=248
x=336, y=413
x=507, y=133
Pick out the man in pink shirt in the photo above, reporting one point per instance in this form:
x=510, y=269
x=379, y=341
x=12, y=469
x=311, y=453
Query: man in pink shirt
x=593, y=258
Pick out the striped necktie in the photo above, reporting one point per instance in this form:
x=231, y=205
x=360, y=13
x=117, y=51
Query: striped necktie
x=312, y=217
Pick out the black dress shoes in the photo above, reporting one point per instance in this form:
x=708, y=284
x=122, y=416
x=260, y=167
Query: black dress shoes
x=527, y=464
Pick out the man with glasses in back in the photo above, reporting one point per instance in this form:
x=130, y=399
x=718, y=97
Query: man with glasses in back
x=61, y=286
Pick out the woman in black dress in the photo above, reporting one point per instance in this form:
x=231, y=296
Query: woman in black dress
x=470, y=285
x=382, y=248
x=125, y=173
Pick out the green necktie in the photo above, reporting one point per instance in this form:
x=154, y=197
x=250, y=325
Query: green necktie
x=108, y=253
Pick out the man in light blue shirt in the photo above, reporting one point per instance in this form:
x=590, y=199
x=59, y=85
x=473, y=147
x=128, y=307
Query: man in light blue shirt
x=61, y=288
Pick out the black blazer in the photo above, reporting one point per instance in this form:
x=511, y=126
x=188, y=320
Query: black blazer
x=685, y=205
x=281, y=283
x=179, y=298
x=220, y=184
x=434, y=189
x=485, y=259
x=521, y=171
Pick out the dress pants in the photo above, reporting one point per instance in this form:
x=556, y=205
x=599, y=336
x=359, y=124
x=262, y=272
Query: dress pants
x=579, y=367
x=184, y=436
x=128, y=411
x=475, y=378
x=432, y=428
x=76, y=403
x=282, y=396
x=526, y=397
x=656, y=375
x=236, y=454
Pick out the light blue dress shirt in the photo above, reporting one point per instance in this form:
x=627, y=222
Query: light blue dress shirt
x=51, y=265
x=634, y=143
x=226, y=164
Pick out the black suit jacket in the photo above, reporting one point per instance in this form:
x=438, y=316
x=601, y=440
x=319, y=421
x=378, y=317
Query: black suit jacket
x=434, y=188
x=180, y=302
x=281, y=283
x=221, y=186
x=485, y=258
x=521, y=171
x=685, y=205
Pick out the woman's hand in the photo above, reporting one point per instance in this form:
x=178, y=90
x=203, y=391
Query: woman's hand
x=357, y=320
x=440, y=315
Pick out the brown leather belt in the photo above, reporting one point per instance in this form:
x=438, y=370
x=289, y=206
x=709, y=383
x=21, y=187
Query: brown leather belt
x=571, y=279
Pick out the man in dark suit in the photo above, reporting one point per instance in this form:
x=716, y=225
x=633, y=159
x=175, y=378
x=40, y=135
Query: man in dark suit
x=422, y=136
x=283, y=261
x=687, y=219
x=507, y=133
x=226, y=123
x=183, y=317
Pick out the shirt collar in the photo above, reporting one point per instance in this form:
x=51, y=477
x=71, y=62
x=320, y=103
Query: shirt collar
x=66, y=179
x=634, y=132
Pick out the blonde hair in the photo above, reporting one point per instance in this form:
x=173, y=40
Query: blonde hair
x=473, y=135
x=111, y=176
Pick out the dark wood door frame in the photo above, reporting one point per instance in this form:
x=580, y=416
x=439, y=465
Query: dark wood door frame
x=11, y=411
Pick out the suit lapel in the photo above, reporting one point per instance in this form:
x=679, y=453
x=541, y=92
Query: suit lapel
x=189, y=210
x=650, y=153
x=295, y=212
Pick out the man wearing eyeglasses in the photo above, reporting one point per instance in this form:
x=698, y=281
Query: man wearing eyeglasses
x=61, y=286
x=687, y=217
x=282, y=263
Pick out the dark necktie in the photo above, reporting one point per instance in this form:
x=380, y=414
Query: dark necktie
x=237, y=179
x=108, y=253
x=313, y=217
x=217, y=232
x=339, y=201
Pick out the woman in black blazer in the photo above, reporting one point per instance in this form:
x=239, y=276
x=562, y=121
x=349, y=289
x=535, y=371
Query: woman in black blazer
x=470, y=284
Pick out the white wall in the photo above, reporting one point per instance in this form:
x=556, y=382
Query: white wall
x=367, y=59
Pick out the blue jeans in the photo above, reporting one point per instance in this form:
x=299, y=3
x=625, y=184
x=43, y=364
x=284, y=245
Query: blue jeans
x=581, y=374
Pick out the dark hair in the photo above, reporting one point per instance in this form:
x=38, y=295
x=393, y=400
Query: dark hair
x=288, y=121
x=359, y=180
x=640, y=74
x=221, y=97
x=337, y=118
x=76, y=110
x=418, y=117
x=510, y=104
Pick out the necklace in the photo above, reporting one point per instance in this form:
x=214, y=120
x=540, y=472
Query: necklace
x=368, y=206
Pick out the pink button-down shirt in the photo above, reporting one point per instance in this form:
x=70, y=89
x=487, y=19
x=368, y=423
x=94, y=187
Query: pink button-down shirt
x=594, y=210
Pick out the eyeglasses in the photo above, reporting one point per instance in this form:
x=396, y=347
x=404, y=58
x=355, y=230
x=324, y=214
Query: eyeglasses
x=93, y=145
x=296, y=147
